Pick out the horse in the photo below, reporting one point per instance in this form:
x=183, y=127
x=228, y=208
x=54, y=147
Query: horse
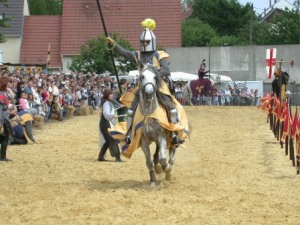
x=198, y=92
x=187, y=94
x=151, y=130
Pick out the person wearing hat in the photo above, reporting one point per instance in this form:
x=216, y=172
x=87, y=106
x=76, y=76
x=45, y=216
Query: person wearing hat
x=106, y=122
x=148, y=54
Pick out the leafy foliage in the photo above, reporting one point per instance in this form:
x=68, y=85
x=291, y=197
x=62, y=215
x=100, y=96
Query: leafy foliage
x=37, y=7
x=196, y=33
x=45, y=7
x=94, y=56
x=230, y=21
x=282, y=29
x=3, y=22
x=224, y=40
x=226, y=17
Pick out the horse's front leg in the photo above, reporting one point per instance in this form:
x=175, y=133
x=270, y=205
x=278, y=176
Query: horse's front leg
x=162, y=152
x=172, y=151
x=157, y=166
x=149, y=163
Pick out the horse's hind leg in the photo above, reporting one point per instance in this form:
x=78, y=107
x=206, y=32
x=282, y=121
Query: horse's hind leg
x=157, y=166
x=171, y=156
x=149, y=163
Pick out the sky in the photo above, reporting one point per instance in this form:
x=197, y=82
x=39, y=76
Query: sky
x=258, y=5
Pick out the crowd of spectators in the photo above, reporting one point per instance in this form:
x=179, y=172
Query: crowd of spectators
x=36, y=93
x=42, y=93
x=221, y=97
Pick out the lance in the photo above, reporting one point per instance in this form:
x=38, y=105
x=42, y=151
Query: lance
x=111, y=54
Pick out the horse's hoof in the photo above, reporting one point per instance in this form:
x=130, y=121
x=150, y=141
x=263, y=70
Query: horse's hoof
x=157, y=168
x=153, y=184
x=5, y=159
x=168, y=176
x=168, y=168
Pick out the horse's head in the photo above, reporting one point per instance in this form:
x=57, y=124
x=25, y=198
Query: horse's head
x=149, y=81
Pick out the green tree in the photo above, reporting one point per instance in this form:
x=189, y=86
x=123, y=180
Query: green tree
x=45, y=7
x=226, y=17
x=54, y=7
x=94, y=56
x=224, y=40
x=3, y=22
x=37, y=7
x=196, y=33
x=282, y=29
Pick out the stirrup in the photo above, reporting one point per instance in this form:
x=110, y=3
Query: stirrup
x=127, y=139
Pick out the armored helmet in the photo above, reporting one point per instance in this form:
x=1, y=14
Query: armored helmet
x=148, y=38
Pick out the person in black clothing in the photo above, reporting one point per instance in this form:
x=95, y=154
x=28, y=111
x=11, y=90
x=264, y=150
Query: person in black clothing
x=107, y=121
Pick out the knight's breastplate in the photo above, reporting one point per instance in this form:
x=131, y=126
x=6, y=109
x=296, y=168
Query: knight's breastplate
x=148, y=58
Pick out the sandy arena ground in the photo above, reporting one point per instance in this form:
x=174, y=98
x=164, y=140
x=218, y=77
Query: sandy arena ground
x=232, y=171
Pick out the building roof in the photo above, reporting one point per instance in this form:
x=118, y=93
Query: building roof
x=15, y=10
x=277, y=6
x=39, y=31
x=81, y=21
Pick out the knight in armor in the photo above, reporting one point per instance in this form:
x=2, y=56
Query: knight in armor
x=279, y=83
x=148, y=54
x=201, y=87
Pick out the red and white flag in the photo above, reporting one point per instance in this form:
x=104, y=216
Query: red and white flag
x=270, y=61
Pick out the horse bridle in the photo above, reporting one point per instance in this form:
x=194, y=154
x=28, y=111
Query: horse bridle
x=144, y=86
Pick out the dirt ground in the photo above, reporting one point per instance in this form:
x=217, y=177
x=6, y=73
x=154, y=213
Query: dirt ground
x=232, y=171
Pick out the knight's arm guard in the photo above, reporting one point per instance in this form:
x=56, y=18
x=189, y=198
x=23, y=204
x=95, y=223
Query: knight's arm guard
x=124, y=53
x=164, y=70
x=165, y=100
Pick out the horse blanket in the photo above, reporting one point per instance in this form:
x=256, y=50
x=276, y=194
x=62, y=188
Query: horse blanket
x=160, y=115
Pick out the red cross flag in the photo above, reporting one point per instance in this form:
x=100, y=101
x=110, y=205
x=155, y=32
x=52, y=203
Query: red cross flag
x=270, y=61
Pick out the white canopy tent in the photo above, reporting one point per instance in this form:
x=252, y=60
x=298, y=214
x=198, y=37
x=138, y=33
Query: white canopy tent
x=186, y=77
x=182, y=76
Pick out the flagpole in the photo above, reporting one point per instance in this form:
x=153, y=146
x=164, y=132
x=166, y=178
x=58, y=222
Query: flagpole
x=48, y=57
x=111, y=54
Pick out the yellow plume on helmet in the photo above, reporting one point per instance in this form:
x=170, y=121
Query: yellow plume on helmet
x=149, y=23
